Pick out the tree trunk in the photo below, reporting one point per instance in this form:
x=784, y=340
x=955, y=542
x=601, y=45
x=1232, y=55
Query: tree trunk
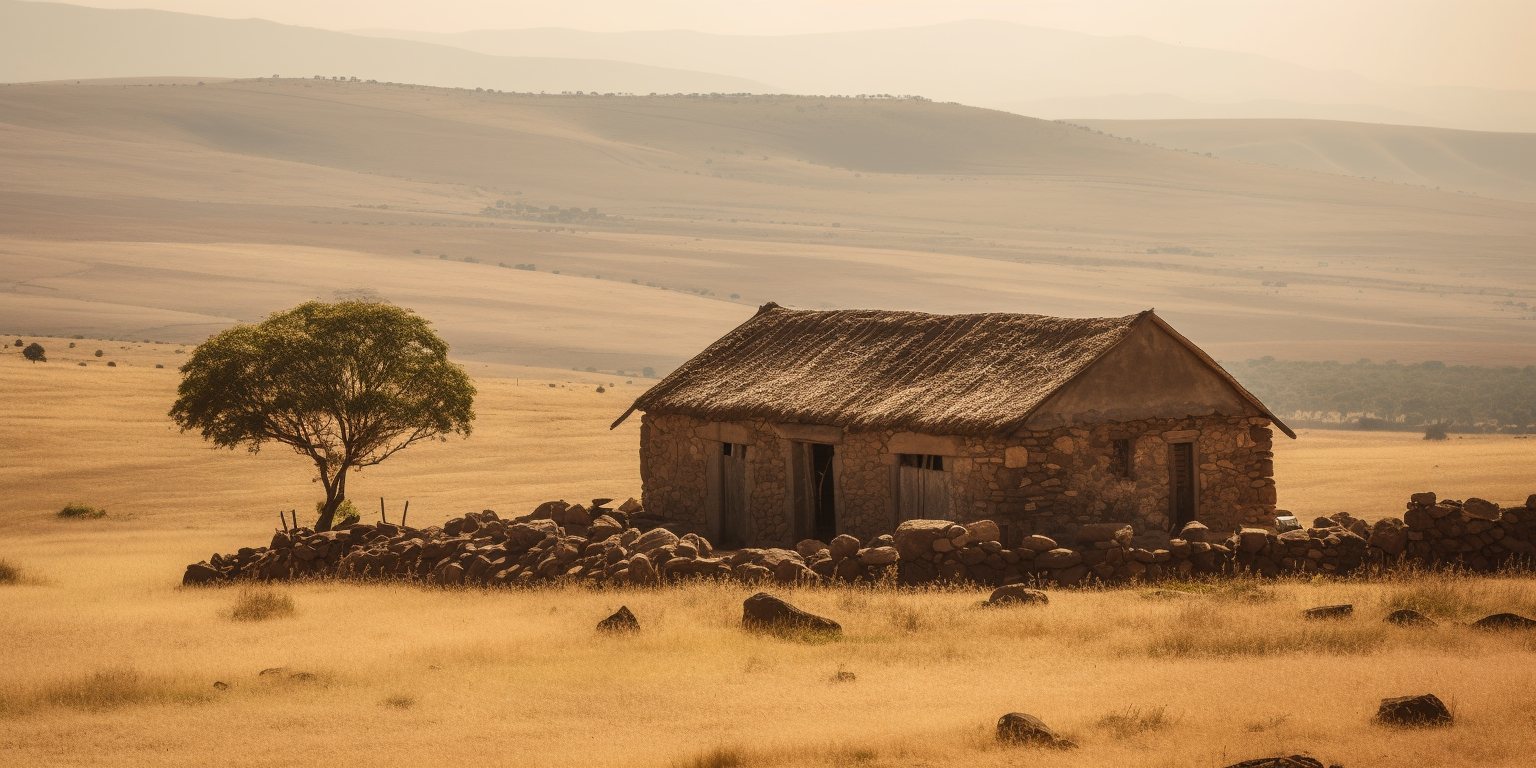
x=335, y=494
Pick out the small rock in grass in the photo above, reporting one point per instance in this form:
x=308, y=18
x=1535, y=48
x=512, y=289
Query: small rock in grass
x=1293, y=761
x=621, y=621
x=1331, y=612
x=1407, y=617
x=844, y=676
x=220, y=685
x=765, y=612
x=1413, y=711
x=1024, y=729
x=1017, y=594
x=272, y=671
x=1505, y=621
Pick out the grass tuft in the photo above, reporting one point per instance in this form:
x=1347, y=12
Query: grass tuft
x=1131, y=721
x=78, y=511
x=102, y=690
x=719, y=757
x=9, y=574
x=261, y=604
x=400, y=701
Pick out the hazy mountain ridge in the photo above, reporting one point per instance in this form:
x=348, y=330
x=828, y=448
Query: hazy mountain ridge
x=1043, y=72
x=51, y=41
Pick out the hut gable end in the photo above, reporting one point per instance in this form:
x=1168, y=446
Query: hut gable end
x=1150, y=374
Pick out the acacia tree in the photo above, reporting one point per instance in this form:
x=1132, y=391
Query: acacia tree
x=35, y=353
x=347, y=384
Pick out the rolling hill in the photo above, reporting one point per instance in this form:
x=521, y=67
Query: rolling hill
x=1493, y=164
x=54, y=41
x=164, y=209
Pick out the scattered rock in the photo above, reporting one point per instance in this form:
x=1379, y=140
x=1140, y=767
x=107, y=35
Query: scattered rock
x=1023, y=729
x=1017, y=594
x=302, y=677
x=914, y=538
x=1480, y=508
x=220, y=685
x=844, y=676
x=272, y=671
x=1293, y=761
x=1408, y=617
x=622, y=621
x=1505, y=621
x=763, y=611
x=878, y=556
x=1331, y=612
x=1413, y=711
x=843, y=546
x=809, y=547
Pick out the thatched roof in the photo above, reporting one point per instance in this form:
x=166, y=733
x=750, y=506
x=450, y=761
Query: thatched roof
x=869, y=369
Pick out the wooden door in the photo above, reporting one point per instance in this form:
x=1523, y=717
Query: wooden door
x=1181, y=496
x=923, y=488
x=733, y=496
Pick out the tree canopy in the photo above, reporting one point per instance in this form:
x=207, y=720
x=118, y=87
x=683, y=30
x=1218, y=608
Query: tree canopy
x=35, y=353
x=347, y=384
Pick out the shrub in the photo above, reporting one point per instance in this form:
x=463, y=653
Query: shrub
x=82, y=511
x=9, y=574
x=109, y=689
x=346, y=512
x=260, y=604
x=18, y=343
x=35, y=353
x=99, y=353
x=400, y=701
x=1128, y=722
x=111, y=364
x=1435, y=432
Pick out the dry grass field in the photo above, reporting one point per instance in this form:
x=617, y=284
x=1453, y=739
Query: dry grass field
x=107, y=661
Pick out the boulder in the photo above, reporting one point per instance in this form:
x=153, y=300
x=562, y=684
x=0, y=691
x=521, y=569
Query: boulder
x=641, y=571
x=1414, y=711
x=808, y=547
x=1038, y=543
x=749, y=573
x=763, y=611
x=200, y=573
x=1505, y=621
x=1093, y=533
x=878, y=556
x=843, y=546
x=574, y=515
x=545, y=511
x=1071, y=577
x=622, y=621
x=1018, y=728
x=1407, y=617
x=1194, y=530
x=655, y=539
x=1330, y=612
x=1390, y=536
x=983, y=530
x=787, y=571
x=603, y=528
x=1292, y=761
x=914, y=538
x=1424, y=499
x=1017, y=594
x=1057, y=558
x=1252, y=540
x=1480, y=508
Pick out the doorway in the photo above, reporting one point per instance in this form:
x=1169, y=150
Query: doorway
x=1181, y=484
x=815, y=491
x=733, y=496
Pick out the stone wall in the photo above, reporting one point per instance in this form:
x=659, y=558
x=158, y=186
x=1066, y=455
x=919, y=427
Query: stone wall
x=598, y=546
x=1047, y=481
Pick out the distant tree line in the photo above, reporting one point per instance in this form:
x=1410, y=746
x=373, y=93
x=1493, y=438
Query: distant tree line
x=1391, y=395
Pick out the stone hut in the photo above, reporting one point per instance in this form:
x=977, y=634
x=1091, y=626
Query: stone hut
x=808, y=424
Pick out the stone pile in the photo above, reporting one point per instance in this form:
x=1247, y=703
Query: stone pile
x=605, y=546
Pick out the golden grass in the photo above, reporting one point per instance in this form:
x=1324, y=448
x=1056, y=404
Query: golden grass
x=110, y=662
x=256, y=603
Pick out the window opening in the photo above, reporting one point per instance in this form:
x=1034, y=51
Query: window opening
x=1123, y=460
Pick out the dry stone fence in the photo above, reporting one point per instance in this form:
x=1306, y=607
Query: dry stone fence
x=614, y=546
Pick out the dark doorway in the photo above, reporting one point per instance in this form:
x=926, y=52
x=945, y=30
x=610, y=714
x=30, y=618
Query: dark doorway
x=823, y=493
x=1181, y=467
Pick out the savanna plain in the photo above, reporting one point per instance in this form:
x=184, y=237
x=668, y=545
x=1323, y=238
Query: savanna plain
x=108, y=661
x=562, y=244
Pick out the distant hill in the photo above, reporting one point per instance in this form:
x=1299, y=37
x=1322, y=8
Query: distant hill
x=52, y=41
x=1494, y=164
x=1041, y=72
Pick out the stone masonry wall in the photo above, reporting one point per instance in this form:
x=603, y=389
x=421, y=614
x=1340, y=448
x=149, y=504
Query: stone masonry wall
x=1046, y=482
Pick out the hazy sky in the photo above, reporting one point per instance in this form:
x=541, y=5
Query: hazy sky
x=1429, y=42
